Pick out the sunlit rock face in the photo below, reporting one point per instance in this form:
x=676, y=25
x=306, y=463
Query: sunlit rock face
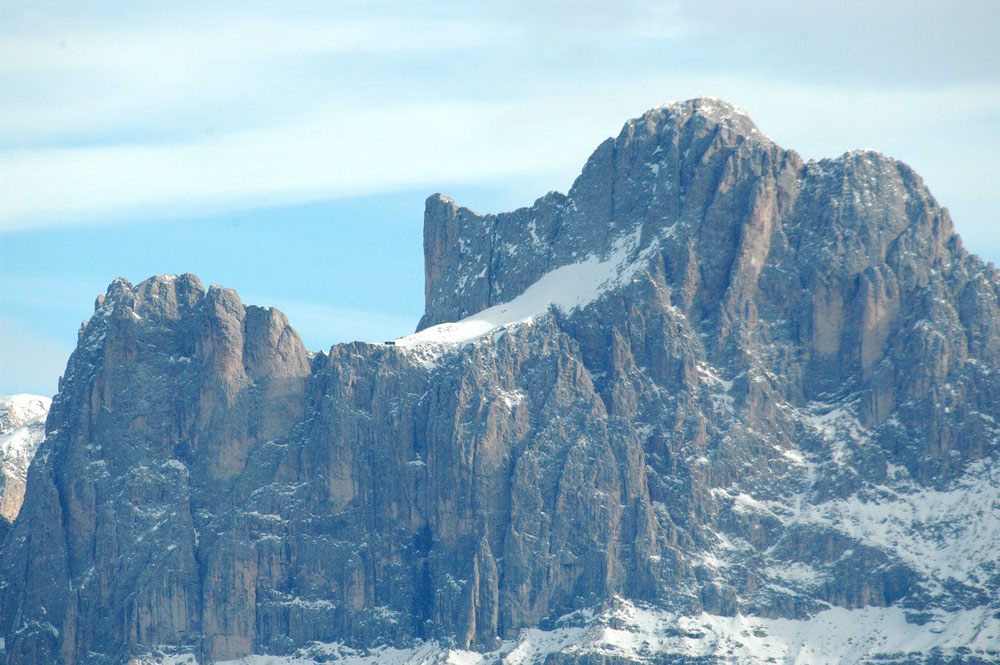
x=716, y=404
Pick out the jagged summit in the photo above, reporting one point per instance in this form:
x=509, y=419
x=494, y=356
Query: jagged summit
x=697, y=179
x=714, y=107
x=710, y=110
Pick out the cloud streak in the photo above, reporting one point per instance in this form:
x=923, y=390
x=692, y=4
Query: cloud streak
x=349, y=151
x=345, y=152
x=145, y=115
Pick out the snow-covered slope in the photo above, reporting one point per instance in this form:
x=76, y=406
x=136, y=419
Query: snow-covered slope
x=566, y=288
x=22, y=428
x=626, y=633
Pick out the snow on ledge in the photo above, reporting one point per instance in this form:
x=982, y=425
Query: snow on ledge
x=567, y=288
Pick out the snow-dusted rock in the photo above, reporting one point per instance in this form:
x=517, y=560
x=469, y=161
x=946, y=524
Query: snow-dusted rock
x=22, y=428
x=714, y=405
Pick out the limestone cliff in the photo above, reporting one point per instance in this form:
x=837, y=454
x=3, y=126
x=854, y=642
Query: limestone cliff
x=718, y=399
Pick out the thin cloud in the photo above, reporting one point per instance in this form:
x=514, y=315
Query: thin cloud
x=345, y=153
x=147, y=115
x=148, y=76
x=888, y=43
x=180, y=47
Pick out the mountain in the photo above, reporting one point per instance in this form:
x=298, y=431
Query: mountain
x=714, y=405
x=22, y=428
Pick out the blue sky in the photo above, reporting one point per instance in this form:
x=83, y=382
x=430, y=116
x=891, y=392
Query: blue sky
x=285, y=150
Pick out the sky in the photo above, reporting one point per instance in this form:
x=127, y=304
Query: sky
x=285, y=149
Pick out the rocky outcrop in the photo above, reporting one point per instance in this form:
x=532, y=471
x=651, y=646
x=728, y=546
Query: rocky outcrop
x=169, y=389
x=712, y=381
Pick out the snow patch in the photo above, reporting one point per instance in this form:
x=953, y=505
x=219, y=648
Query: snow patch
x=566, y=288
x=628, y=632
x=795, y=573
x=22, y=429
x=512, y=398
x=942, y=534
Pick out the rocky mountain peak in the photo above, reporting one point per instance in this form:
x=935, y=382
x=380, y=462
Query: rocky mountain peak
x=713, y=405
x=720, y=202
x=700, y=116
x=18, y=410
x=660, y=162
x=233, y=356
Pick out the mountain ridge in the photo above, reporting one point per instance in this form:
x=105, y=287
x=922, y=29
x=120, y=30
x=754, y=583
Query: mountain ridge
x=677, y=406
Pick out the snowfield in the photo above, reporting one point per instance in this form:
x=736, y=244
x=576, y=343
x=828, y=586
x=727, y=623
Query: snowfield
x=626, y=631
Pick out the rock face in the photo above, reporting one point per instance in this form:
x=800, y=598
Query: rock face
x=22, y=428
x=717, y=399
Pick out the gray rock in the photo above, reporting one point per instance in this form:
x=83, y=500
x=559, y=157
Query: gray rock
x=785, y=353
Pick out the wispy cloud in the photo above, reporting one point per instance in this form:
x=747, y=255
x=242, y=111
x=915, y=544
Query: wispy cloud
x=153, y=112
x=194, y=43
x=189, y=69
x=346, y=152
x=886, y=44
x=204, y=112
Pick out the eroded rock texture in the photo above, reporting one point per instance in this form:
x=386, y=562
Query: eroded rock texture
x=788, y=349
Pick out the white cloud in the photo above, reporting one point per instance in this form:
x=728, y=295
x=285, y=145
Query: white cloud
x=884, y=44
x=192, y=43
x=345, y=152
x=191, y=70
x=142, y=115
